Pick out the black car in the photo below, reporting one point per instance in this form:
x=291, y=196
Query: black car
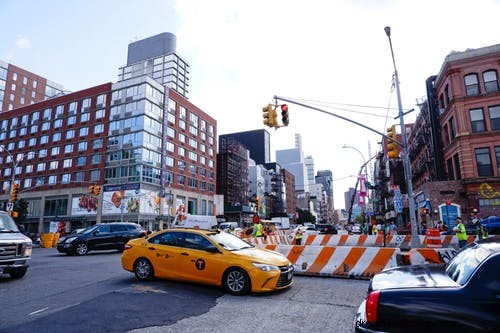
x=461, y=296
x=106, y=236
x=326, y=229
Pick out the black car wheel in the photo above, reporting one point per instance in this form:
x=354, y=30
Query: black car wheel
x=81, y=249
x=18, y=274
x=236, y=281
x=143, y=269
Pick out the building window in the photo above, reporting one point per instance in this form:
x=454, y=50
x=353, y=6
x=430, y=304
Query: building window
x=53, y=165
x=44, y=139
x=453, y=131
x=477, y=120
x=490, y=81
x=81, y=160
x=495, y=117
x=97, y=143
x=99, y=114
x=67, y=163
x=79, y=176
x=56, y=137
x=82, y=146
x=181, y=179
x=483, y=160
x=66, y=178
x=497, y=156
x=70, y=134
x=95, y=175
x=96, y=159
x=40, y=167
x=84, y=131
x=84, y=117
x=471, y=85
x=68, y=149
x=99, y=128
x=456, y=161
x=54, y=151
x=71, y=120
x=52, y=180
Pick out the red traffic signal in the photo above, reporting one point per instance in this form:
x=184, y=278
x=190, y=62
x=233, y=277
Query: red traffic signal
x=284, y=114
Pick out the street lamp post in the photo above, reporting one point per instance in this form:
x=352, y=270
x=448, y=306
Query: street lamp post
x=415, y=242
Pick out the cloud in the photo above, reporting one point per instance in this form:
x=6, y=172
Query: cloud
x=23, y=43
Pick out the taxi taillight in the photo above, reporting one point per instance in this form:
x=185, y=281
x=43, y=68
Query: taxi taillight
x=372, y=306
x=127, y=246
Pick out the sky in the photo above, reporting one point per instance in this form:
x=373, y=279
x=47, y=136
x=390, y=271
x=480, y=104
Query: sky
x=331, y=54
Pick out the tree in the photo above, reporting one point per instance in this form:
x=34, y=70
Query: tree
x=305, y=216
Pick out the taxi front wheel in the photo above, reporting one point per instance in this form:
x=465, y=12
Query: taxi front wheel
x=236, y=281
x=143, y=269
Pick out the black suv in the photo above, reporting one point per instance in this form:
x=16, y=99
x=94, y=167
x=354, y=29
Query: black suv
x=106, y=236
x=326, y=229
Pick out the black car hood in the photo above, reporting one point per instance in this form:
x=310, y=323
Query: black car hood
x=415, y=276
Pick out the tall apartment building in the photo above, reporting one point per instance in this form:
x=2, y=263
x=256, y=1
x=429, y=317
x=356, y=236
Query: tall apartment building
x=19, y=87
x=463, y=124
x=258, y=143
x=156, y=57
x=150, y=149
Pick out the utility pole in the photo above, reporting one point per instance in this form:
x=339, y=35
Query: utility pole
x=415, y=241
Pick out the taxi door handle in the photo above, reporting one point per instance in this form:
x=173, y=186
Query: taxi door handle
x=151, y=248
x=185, y=253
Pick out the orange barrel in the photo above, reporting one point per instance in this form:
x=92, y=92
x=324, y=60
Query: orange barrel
x=433, y=238
x=46, y=240
x=55, y=239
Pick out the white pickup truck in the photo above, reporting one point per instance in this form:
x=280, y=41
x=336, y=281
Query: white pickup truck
x=15, y=248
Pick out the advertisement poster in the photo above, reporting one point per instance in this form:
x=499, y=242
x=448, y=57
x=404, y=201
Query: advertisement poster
x=129, y=199
x=84, y=205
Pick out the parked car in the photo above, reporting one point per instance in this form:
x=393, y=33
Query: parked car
x=15, y=248
x=211, y=257
x=461, y=296
x=492, y=224
x=104, y=236
x=326, y=229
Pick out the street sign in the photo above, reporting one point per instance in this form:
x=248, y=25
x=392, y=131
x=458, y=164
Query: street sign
x=10, y=206
x=398, y=201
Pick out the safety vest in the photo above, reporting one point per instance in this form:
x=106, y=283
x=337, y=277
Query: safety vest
x=258, y=230
x=298, y=235
x=461, y=234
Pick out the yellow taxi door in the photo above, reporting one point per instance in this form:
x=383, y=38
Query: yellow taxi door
x=164, y=254
x=200, y=261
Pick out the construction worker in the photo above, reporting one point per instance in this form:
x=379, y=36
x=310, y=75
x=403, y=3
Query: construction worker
x=460, y=231
x=258, y=230
x=298, y=237
x=481, y=231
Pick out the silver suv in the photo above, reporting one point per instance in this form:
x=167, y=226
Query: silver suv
x=15, y=248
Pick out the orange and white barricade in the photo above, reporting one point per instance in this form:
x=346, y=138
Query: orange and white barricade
x=433, y=239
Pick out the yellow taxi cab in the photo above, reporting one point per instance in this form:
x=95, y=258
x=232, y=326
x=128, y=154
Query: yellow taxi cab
x=207, y=256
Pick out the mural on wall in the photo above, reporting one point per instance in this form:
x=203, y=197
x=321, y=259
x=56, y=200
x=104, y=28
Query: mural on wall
x=84, y=205
x=130, y=199
x=488, y=192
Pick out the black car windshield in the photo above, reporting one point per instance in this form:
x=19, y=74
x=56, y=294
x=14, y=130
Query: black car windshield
x=90, y=229
x=460, y=268
x=228, y=241
x=7, y=224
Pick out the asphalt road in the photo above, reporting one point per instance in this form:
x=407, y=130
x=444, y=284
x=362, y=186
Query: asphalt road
x=63, y=293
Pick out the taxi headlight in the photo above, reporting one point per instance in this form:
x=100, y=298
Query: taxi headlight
x=70, y=239
x=266, y=267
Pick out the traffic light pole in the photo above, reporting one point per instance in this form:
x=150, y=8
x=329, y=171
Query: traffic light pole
x=415, y=241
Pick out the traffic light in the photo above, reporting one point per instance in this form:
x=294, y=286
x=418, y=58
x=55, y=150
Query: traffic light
x=270, y=116
x=97, y=190
x=91, y=189
x=284, y=114
x=15, y=191
x=257, y=201
x=391, y=146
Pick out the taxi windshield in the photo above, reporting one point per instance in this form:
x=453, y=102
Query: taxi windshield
x=228, y=241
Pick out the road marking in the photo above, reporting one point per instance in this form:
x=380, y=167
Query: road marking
x=37, y=312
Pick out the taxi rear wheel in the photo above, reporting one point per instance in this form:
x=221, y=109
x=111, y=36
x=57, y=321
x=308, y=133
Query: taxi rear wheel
x=236, y=281
x=143, y=269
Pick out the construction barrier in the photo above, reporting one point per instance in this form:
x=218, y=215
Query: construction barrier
x=337, y=261
x=400, y=241
x=433, y=239
x=46, y=240
x=55, y=239
x=431, y=256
